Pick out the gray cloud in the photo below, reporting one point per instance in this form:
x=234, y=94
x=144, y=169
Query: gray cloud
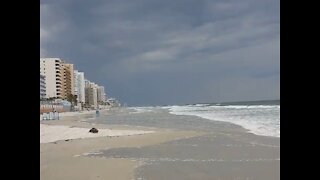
x=167, y=52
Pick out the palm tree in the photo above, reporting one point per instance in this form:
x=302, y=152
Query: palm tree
x=72, y=99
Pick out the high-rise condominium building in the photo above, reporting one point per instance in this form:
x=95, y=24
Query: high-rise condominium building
x=42, y=87
x=68, y=81
x=101, y=94
x=58, y=77
x=91, y=94
x=75, y=81
x=79, y=87
x=52, y=70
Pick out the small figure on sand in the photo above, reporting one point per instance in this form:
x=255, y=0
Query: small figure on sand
x=97, y=112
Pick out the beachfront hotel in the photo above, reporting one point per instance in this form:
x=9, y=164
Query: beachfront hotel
x=42, y=87
x=68, y=84
x=52, y=70
x=101, y=96
x=91, y=94
x=75, y=85
x=79, y=89
x=59, y=79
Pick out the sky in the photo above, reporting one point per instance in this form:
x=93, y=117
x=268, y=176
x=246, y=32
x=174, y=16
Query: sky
x=164, y=52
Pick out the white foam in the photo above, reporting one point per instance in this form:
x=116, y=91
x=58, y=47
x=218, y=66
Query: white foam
x=200, y=105
x=251, y=106
x=141, y=109
x=51, y=133
x=92, y=153
x=205, y=160
x=259, y=119
x=77, y=113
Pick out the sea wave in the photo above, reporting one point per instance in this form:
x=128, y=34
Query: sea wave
x=258, y=119
x=141, y=109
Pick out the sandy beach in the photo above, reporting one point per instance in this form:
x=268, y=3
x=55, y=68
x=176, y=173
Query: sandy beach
x=64, y=144
x=153, y=145
x=156, y=90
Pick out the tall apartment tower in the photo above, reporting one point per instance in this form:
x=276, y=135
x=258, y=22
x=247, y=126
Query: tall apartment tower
x=52, y=70
x=79, y=86
x=76, y=85
x=42, y=86
x=101, y=94
x=68, y=80
x=58, y=77
x=91, y=94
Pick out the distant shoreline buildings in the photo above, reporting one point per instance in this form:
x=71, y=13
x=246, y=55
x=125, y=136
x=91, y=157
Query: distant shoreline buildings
x=60, y=80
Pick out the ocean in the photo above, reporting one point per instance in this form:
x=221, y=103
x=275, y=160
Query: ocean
x=241, y=141
x=259, y=117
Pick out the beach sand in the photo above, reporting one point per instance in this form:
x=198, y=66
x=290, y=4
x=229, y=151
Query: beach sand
x=60, y=159
x=154, y=145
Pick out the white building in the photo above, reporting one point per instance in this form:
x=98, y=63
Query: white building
x=42, y=87
x=81, y=87
x=76, y=84
x=101, y=95
x=51, y=69
x=91, y=94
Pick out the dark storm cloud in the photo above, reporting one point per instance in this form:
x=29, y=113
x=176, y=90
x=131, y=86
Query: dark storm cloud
x=168, y=52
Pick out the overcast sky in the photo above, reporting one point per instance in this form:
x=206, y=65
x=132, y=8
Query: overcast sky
x=157, y=52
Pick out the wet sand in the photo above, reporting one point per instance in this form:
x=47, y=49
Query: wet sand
x=67, y=159
x=185, y=151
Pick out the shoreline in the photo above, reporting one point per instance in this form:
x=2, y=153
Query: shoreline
x=63, y=159
x=126, y=157
x=257, y=128
x=54, y=133
x=75, y=125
